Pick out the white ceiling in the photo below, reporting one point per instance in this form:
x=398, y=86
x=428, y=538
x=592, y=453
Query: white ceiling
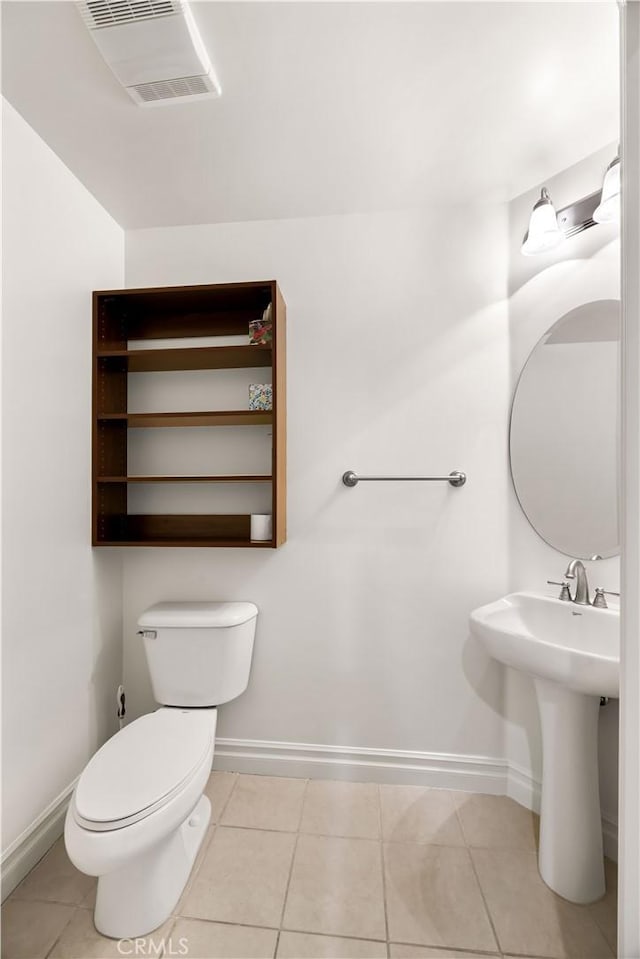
x=326, y=107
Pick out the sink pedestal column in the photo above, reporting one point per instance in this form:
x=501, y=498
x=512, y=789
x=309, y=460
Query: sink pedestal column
x=570, y=856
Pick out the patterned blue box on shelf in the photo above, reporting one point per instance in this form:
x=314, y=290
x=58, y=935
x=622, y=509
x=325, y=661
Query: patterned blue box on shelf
x=260, y=396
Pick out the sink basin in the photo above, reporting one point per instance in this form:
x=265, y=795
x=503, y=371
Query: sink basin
x=576, y=646
x=573, y=655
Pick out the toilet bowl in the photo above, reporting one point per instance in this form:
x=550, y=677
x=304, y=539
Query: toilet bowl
x=138, y=814
x=138, y=817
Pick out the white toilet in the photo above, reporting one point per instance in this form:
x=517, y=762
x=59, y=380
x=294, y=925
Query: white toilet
x=138, y=814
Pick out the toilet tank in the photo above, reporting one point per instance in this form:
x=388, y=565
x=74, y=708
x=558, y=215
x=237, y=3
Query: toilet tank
x=199, y=654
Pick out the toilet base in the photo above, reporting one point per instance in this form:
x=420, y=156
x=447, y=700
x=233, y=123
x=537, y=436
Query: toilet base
x=139, y=897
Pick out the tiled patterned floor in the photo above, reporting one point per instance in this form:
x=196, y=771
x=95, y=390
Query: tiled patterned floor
x=304, y=870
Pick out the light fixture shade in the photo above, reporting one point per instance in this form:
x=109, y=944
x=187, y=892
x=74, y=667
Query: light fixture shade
x=608, y=210
x=543, y=233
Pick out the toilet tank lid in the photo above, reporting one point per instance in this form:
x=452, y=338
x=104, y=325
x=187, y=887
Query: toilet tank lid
x=190, y=615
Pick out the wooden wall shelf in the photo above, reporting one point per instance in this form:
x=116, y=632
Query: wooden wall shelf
x=183, y=530
x=249, y=478
x=187, y=358
x=206, y=418
x=180, y=313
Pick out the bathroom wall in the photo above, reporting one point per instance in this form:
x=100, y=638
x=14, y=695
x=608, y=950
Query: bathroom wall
x=398, y=362
x=401, y=358
x=542, y=289
x=62, y=610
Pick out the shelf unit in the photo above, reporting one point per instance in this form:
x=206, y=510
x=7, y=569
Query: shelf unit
x=177, y=314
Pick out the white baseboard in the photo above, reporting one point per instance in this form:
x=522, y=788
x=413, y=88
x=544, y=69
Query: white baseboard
x=482, y=774
x=522, y=787
x=362, y=764
x=22, y=855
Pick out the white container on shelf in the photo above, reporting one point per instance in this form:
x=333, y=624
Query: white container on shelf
x=261, y=527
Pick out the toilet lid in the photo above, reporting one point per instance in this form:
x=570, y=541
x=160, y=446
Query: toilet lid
x=143, y=766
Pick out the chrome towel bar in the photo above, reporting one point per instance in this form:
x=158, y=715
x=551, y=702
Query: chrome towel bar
x=456, y=478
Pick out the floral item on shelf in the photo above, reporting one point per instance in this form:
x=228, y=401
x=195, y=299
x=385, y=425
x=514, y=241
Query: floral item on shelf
x=260, y=396
x=261, y=331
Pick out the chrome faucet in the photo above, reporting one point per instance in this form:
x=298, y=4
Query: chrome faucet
x=576, y=570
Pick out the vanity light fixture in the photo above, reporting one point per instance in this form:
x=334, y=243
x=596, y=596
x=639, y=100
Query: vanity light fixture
x=548, y=228
x=608, y=210
x=544, y=232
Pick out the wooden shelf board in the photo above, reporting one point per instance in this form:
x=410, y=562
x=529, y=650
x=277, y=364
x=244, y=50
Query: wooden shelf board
x=199, y=418
x=190, y=358
x=245, y=478
x=182, y=526
x=149, y=541
x=181, y=529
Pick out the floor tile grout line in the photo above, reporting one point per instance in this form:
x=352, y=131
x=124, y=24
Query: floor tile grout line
x=293, y=859
x=463, y=949
x=52, y=902
x=62, y=931
x=305, y=798
x=336, y=835
x=339, y=835
x=236, y=777
x=333, y=935
x=594, y=915
x=302, y=804
x=460, y=823
x=485, y=903
x=283, y=928
x=382, y=864
x=291, y=866
x=531, y=955
x=612, y=947
x=170, y=931
x=228, y=922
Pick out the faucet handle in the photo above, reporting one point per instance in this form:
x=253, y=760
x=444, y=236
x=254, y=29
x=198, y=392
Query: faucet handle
x=565, y=593
x=599, y=600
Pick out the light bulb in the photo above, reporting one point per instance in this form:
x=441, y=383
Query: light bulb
x=608, y=210
x=543, y=233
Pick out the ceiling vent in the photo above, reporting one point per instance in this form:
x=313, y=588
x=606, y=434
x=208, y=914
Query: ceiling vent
x=153, y=47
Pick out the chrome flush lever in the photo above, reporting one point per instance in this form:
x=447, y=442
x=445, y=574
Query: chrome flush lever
x=565, y=593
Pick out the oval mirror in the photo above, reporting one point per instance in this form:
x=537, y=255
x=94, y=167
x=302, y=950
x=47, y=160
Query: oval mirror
x=564, y=433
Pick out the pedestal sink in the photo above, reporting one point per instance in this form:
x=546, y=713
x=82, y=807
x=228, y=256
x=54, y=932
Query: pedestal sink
x=573, y=654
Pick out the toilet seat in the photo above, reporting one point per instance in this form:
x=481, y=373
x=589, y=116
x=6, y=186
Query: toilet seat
x=143, y=767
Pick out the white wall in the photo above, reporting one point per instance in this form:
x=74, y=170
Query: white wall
x=401, y=359
x=542, y=289
x=62, y=604
x=397, y=363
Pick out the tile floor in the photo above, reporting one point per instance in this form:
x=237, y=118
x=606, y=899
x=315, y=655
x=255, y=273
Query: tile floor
x=303, y=870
